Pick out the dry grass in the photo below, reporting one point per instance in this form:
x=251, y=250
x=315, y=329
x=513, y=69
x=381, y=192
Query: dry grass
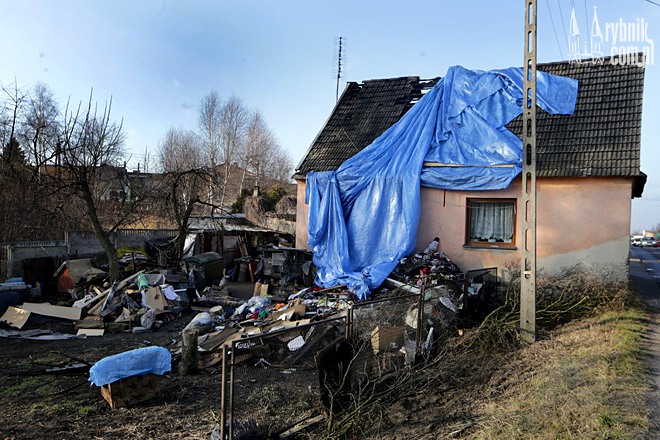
x=584, y=378
x=586, y=381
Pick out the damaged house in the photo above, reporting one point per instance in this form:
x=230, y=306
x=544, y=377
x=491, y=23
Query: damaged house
x=588, y=171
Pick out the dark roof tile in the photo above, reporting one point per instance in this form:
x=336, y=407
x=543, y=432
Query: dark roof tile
x=602, y=138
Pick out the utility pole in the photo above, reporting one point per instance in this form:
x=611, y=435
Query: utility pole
x=528, y=263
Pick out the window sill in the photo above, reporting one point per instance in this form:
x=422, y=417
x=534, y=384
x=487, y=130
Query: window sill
x=492, y=247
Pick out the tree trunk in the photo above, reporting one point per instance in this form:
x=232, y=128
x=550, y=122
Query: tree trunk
x=189, y=355
x=101, y=234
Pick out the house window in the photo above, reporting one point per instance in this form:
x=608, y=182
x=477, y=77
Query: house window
x=491, y=222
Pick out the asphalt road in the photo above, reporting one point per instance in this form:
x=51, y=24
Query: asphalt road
x=645, y=274
x=645, y=279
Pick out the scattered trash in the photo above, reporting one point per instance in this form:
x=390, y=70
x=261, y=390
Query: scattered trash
x=296, y=343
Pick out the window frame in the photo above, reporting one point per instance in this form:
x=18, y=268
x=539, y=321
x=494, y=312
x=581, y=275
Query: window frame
x=469, y=201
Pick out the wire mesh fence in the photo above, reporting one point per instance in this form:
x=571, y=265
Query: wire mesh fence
x=392, y=328
x=273, y=379
x=277, y=380
x=480, y=292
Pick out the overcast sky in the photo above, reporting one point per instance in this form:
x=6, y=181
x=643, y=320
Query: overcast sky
x=158, y=58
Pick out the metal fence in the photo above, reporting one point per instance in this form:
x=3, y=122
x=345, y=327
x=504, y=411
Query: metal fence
x=274, y=381
x=392, y=328
x=480, y=292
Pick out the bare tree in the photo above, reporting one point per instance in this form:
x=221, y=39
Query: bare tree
x=210, y=109
x=259, y=145
x=181, y=159
x=280, y=166
x=91, y=166
x=12, y=103
x=233, y=122
x=40, y=126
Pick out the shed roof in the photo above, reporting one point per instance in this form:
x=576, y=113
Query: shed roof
x=602, y=138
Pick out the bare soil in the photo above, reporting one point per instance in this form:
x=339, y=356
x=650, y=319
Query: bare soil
x=57, y=406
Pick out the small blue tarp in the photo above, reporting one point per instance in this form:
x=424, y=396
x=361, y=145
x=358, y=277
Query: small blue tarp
x=155, y=360
x=363, y=217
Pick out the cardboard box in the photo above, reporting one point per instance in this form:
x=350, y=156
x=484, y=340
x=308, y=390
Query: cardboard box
x=297, y=311
x=387, y=339
x=260, y=289
x=131, y=390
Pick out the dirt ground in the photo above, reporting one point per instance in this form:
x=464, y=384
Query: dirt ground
x=34, y=404
x=37, y=405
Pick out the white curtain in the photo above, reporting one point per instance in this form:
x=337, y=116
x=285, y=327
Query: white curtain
x=491, y=221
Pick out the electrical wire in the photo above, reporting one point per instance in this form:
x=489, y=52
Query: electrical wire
x=561, y=15
x=652, y=2
x=554, y=29
x=586, y=18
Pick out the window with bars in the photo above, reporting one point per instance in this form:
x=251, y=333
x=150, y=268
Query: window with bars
x=491, y=222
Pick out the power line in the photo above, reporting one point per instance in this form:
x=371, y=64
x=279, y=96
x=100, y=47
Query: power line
x=586, y=18
x=554, y=29
x=561, y=15
x=653, y=3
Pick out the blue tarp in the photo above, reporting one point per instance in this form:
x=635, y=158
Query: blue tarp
x=155, y=360
x=363, y=217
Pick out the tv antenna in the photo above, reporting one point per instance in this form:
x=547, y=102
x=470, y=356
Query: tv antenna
x=339, y=44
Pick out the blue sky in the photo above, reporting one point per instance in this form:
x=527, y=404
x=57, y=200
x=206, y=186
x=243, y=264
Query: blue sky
x=158, y=58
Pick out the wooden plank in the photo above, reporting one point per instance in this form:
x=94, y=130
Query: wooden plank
x=46, y=309
x=115, y=288
x=302, y=425
x=456, y=165
x=15, y=317
x=214, y=340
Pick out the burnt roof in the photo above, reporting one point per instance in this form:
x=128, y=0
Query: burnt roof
x=602, y=138
x=363, y=113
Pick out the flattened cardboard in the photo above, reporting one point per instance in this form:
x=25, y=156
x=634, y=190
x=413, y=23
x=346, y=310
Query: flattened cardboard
x=72, y=313
x=155, y=299
x=15, y=317
x=387, y=339
x=287, y=315
x=91, y=331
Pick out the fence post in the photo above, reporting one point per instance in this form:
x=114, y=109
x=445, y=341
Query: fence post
x=420, y=318
x=231, y=390
x=223, y=393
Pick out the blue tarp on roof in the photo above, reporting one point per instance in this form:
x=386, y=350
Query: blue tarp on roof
x=363, y=217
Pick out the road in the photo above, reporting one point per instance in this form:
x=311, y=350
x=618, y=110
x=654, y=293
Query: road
x=645, y=279
x=645, y=274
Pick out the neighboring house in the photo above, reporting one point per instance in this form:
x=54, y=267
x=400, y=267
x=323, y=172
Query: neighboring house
x=588, y=168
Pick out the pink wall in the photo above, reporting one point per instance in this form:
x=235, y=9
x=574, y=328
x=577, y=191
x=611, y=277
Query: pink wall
x=578, y=220
x=302, y=213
